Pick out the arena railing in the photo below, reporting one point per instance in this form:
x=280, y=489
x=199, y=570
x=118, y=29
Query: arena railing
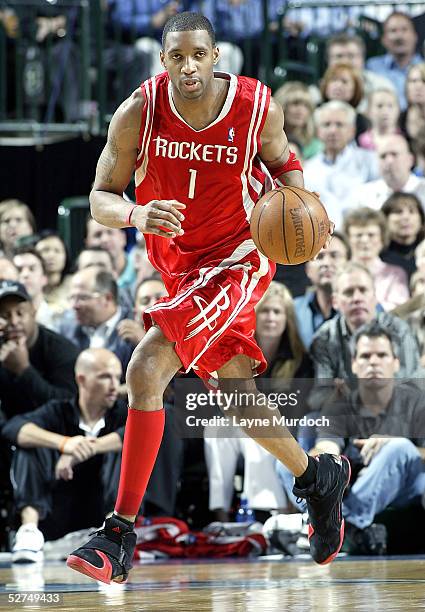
x=44, y=68
x=63, y=84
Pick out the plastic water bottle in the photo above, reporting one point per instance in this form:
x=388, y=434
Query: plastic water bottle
x=245, y=514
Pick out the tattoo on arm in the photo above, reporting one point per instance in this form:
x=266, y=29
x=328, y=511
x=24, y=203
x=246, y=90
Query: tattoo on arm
x=108, y=161
x=279, y=158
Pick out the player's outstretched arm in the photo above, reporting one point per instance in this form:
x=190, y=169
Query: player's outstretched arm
x=275, y=152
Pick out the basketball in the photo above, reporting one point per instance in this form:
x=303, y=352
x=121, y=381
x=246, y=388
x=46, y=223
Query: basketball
x=289, y=225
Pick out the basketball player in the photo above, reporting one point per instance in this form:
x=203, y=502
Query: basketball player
x=203, y=146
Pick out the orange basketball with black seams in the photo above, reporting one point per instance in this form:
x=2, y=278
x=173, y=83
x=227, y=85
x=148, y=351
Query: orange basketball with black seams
x=289, y=225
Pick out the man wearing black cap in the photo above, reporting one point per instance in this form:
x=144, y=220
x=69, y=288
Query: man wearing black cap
x=36, y=364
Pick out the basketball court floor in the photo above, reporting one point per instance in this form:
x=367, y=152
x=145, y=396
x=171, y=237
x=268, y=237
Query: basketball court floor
x=264, y=585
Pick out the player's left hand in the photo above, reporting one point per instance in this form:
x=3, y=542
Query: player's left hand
x=370, y=447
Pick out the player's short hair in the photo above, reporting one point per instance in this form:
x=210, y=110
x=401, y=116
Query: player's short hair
x=187, y=22
x=372, y=330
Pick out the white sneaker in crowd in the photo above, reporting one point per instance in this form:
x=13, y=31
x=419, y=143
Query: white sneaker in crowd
x=28, y=546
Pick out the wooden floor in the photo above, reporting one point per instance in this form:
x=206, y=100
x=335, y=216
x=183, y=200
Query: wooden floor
x=248, y=586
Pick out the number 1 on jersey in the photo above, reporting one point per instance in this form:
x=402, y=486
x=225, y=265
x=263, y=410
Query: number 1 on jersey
x=192, y=182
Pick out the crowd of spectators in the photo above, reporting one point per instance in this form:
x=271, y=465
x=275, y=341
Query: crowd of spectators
x=68, y=328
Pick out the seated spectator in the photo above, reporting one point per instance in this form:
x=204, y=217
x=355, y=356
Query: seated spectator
x=342, y=166
x=415, y=96
x=239, y=27
x=366, y=230
x=415, y=316
x=419, y=150
x=142, y=266
x=65, y=447
x=102, y=260
x=8, y=269
x=298, y=106
x=36, y=364
x=399, y=39
x=32, y=274
x=381, y=428
x=93, y=295
x=405, y=223
x=351, y=49
x=383, y=113
x=344, y=82
x=354, y=297
x=16, y=222
x=279, y=339
x=95, y=256
x=112, y=240
x=395, y=168
x=315, y=307
x=55, y=255
x=148, y=292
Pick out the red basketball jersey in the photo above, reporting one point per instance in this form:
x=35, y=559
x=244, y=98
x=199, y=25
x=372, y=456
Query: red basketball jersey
x=215, y=171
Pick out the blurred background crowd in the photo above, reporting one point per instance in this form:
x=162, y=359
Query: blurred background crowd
x=351, y=81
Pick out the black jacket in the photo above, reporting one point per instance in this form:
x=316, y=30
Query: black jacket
x=50, y=375
x=63, y=417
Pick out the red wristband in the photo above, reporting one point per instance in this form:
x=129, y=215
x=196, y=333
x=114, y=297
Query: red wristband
x=128, y=220
x=292, y=163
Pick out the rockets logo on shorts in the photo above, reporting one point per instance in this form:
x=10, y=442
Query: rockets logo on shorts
x=207, y=314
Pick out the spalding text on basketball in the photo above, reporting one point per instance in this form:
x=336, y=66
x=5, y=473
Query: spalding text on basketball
x=191, y=151
x=297, y=219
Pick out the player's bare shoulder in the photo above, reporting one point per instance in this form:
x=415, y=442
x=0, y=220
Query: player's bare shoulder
x=125, y=123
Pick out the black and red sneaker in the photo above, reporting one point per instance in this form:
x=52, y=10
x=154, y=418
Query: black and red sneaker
x=324, y=505
x=108, y=554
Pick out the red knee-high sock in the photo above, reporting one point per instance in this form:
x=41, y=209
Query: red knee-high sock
x=142, y=439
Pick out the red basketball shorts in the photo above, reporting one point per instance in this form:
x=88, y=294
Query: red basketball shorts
x=210, y=315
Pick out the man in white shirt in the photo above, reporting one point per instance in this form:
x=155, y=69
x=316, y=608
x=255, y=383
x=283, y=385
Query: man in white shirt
x=342, y=166
x=93, y=296
x=395, y=165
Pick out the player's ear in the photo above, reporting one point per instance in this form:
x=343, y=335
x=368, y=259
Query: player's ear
x=162, y=58
x=216, y=55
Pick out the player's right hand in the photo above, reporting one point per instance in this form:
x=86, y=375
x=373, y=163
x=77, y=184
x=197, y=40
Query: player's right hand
x=160, y=217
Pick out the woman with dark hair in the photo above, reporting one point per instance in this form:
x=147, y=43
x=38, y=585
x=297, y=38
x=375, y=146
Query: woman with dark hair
x=344, y=82
x=413, y=118
x=405, y=223
x=279, y=339
x=16, y=222
x=54, y=253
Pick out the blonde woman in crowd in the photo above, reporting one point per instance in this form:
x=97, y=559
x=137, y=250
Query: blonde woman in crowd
x=298, y=106
x=278, y=337
x=383, y=113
